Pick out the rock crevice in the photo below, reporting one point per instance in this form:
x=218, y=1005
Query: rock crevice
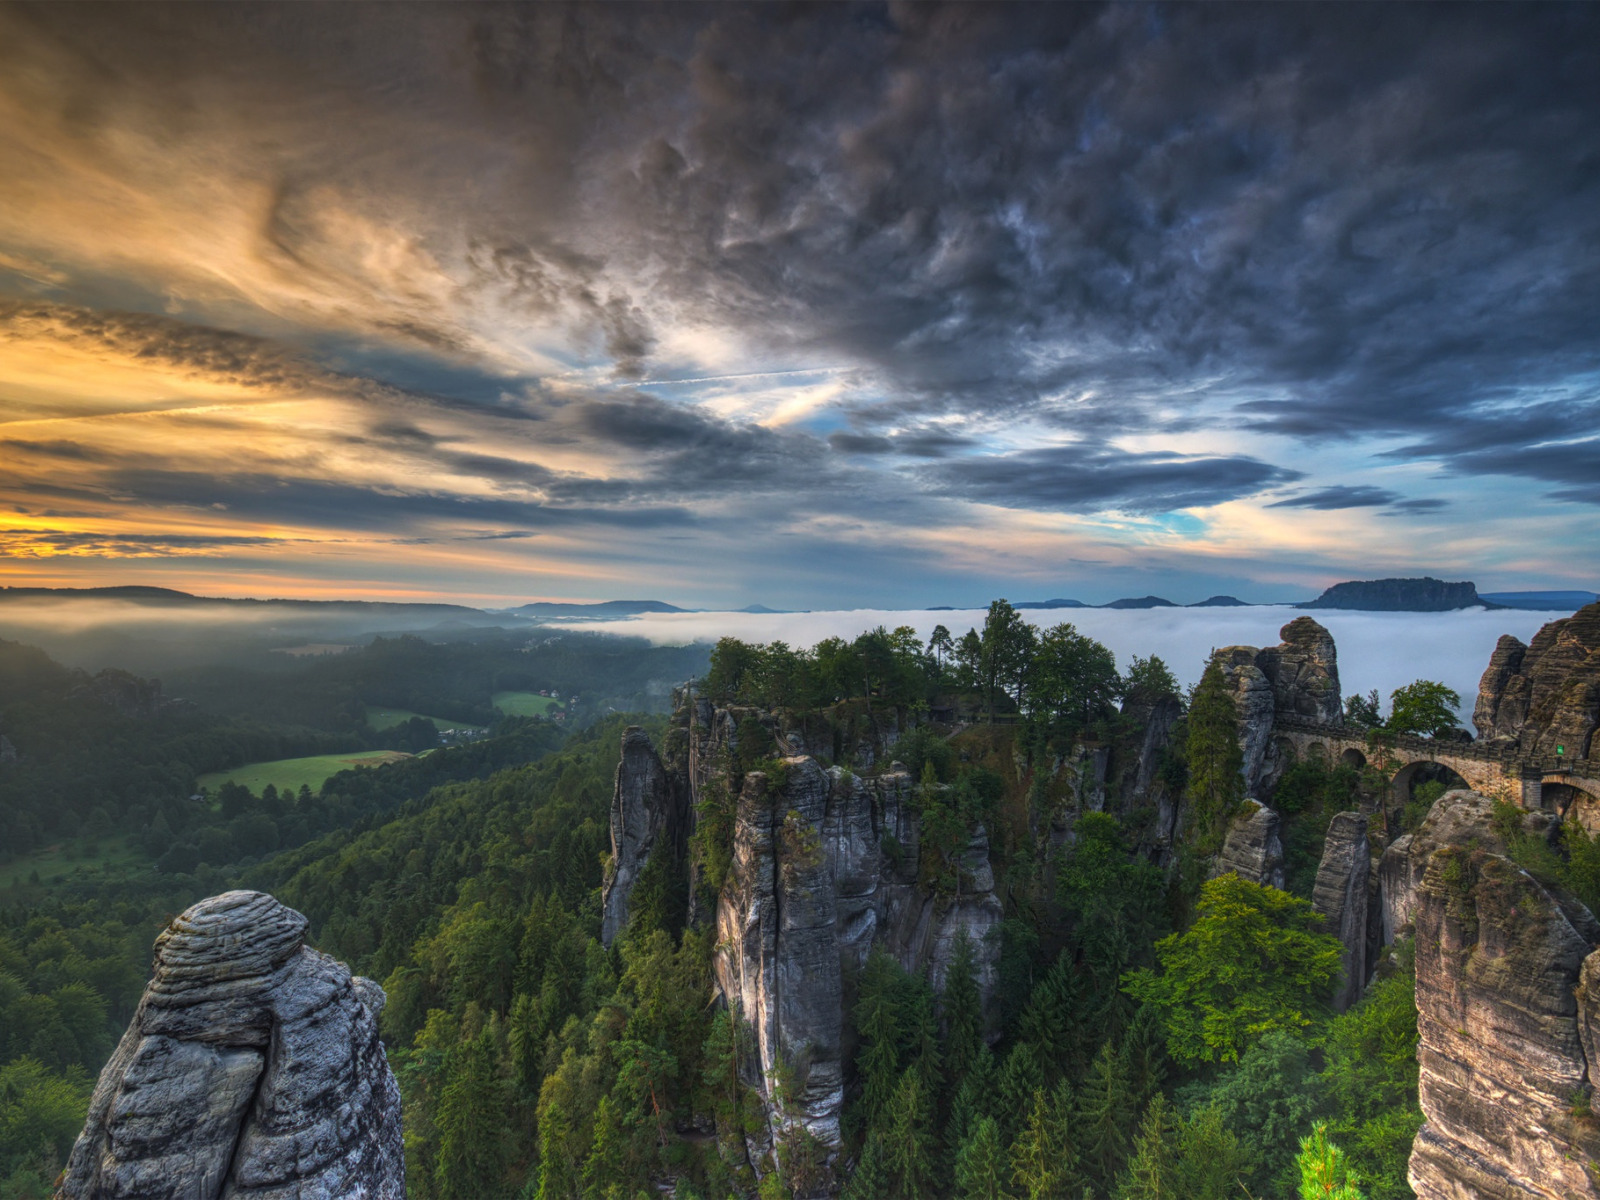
x=251, y=1068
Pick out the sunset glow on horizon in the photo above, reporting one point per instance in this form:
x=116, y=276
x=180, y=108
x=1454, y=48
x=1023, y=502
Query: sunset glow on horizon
x=813, y=308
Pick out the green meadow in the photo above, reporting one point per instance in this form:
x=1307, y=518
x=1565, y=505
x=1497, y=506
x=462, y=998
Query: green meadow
x=109, y=853
x=288, y=774
x=388, y=718
x=525, y=704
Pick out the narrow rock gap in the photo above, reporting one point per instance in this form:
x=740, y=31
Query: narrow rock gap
x=250, y=1111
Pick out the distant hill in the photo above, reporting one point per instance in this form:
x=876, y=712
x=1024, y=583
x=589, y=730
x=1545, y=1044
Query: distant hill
x=1050, y=604
x=1140, y=602
x=1400, y=595
x=1221, y=602
x=604, y=608
x=1542, y=601
x=155, y=597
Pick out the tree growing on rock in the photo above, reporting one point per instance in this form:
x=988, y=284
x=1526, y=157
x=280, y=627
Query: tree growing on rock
x=1423, y=708
x=1216, y=783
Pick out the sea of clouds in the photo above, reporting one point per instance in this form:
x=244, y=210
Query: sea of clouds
x=1376, y=649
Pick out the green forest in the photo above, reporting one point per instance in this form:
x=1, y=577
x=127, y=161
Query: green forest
x=1159, y=1034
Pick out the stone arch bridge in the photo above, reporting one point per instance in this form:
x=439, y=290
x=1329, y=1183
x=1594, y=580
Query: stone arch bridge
x=1533, y=782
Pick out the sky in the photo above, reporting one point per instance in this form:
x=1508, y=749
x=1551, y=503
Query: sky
x=812, y=306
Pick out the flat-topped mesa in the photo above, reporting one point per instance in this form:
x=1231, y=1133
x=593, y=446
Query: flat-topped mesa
x=1543, y=699
x=1297, y=680
x=251, y=1068
x=1506, y=1011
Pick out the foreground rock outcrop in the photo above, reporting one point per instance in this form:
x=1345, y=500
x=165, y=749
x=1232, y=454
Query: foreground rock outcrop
x=1507, y=1014
x=252, y=1068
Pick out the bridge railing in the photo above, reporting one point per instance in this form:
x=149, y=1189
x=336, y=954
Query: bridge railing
x=1507, y=756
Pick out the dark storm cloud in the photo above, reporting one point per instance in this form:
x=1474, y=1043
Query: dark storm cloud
x=1321, y=221
x=1340, y=496
x=1080, y=479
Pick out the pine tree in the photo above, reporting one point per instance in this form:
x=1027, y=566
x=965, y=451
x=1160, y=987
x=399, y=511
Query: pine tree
x=1042, y=1158
x=1216, y=785
x=981, y=1164
x=1144, y=1047
x=1151, y=1174
x=605, y=1171
x=878, y=1022
x=1052, y=1024
x=908, y=1141
x=1105, y=1112
x=1325, y=1174
x=870, y=1179
x=1019, y=1080
x=963, y=1016
x=471, y=1122
x=973, y=1100
x=557, y=1179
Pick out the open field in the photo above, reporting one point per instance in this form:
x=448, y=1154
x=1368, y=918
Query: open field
x=388, y=718
x=111, y=851
x=525, y=704
x=287, y=774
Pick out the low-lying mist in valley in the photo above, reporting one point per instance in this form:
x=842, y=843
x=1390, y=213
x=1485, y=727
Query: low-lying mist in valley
x=1382, y=650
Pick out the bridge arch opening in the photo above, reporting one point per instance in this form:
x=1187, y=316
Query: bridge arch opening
x=1417, y=785
x=1574, y=801
x=1352, y=757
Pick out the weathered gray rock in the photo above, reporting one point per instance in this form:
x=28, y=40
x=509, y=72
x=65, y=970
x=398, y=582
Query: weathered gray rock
x=1253, y=848
x=252, y=1068
x=825, y=867
x=1503, y=1015
x=1497, y=715
x=1253, y=697
x=1296, y=680
x=1457, y=818
x=1340, y=895
x=640, y=811
x=1546, y=694
x=1304, y=672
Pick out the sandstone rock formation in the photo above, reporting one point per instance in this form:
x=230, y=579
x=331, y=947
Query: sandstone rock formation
x=1296, y=680
x=1340, y=895
x=252, y=1068
x=1504, y=965
x=1546, y=694
x=1253, y=848
x=642, y=814
x=825, y=865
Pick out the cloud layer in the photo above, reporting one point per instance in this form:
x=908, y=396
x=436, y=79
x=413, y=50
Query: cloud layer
x=723, y=297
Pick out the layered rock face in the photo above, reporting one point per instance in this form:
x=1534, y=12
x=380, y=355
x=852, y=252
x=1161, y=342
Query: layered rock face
x=1506, y=1014
x=642, y=812
x=252, y=1068
x=1253, y=848
x=1340, y=895
x=1546, y=694
x=1295, y=680
x=825, y=865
